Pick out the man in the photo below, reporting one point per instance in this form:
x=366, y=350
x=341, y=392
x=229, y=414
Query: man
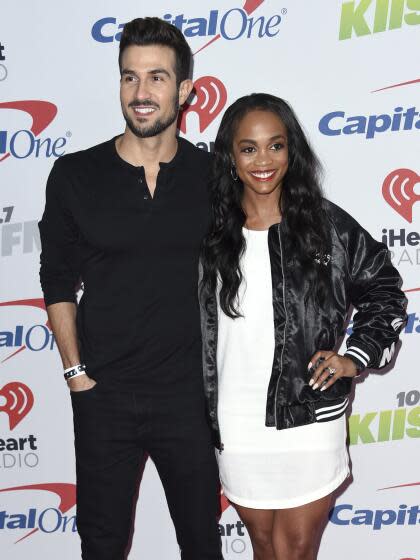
x=126, y=218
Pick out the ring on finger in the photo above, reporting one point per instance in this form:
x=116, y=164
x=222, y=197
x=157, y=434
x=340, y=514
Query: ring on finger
x=331, y=370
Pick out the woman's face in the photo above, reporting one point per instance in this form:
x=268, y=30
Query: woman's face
x=260, y=152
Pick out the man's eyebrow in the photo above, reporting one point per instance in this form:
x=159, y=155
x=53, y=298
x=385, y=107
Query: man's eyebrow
x=160, y=71
x=154, y=71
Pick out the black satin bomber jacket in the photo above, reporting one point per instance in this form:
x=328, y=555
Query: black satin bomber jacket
x=362, y=275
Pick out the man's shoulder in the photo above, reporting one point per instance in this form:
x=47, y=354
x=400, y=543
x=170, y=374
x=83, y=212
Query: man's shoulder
x=196, y=156
x=95, y=154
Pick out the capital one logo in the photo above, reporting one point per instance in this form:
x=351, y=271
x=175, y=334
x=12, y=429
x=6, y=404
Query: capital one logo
x=210, y=98
x=398, y=191
x=402, y=515
x=232, y=24
x=19, y=402
x=365, y=17
x=25, y=143
x=49, y=520
x=20, y=337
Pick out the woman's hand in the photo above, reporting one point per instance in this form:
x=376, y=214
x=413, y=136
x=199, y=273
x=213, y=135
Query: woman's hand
x=331, y=367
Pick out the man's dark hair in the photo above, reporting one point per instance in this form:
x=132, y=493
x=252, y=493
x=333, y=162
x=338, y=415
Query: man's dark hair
x=154, y=31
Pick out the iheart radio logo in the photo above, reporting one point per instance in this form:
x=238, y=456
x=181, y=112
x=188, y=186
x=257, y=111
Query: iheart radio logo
x=210, y=98
x=19, y=402
x=398, y=191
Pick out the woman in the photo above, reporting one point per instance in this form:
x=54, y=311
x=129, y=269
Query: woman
x=281, y=267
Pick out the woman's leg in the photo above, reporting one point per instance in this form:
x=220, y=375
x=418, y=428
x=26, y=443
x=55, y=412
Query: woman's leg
x=259, y=524
x=297, y=531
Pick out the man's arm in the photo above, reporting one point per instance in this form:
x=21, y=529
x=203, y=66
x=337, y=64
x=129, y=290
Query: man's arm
x=59, y=272
x=62, y=318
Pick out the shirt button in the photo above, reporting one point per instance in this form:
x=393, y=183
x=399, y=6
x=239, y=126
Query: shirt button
x=141, y=181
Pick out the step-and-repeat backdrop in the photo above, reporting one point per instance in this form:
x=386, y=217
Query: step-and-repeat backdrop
x=348, y=69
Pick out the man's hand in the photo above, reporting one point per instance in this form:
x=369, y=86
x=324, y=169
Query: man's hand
x=81, y=383
x=62, y=317
x=329, y=367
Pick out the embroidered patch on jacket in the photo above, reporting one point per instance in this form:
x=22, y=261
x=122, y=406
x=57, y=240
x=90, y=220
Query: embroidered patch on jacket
x=322, y=259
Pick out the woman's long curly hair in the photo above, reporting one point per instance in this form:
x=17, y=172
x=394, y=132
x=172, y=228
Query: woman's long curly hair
x=303, y=218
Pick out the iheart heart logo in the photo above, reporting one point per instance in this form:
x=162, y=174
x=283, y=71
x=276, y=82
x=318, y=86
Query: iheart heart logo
x=398, y=191
x=210, y=98
x=19, y=402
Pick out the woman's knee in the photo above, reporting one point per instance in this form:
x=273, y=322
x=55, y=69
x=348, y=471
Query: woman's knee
x=295, y=546
x=259, y=524
x=261, y=538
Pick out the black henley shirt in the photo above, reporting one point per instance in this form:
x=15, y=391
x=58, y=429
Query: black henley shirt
x=137, y=257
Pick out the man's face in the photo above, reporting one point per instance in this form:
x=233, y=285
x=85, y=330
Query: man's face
x=150, y=97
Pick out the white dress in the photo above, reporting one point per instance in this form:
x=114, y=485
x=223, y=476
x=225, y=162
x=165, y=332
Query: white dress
x=262, y=467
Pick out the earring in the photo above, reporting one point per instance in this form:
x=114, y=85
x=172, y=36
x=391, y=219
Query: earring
x=234, y=173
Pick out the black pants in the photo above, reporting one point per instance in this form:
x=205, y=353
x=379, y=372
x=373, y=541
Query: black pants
x=113, y=433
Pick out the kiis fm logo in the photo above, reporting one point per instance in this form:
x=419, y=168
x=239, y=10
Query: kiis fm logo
x=365, y=17
x=388, y=425
x=17, y=236
x=384, y=425
x=231, y=25
x=25, y=143
x=49, y=520
x=35, y=337
x=398, y=191
x=209, y=99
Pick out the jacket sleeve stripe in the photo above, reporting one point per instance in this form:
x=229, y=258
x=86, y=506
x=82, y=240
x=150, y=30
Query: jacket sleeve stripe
x=396, y=323
x=359, y=354
x=329, y=408
x=334, y=414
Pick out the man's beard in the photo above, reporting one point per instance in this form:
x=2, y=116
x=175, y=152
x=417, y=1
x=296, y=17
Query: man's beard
x=156, y=128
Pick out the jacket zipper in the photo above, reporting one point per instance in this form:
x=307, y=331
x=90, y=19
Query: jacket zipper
x=285, y=326
x=221, y=448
